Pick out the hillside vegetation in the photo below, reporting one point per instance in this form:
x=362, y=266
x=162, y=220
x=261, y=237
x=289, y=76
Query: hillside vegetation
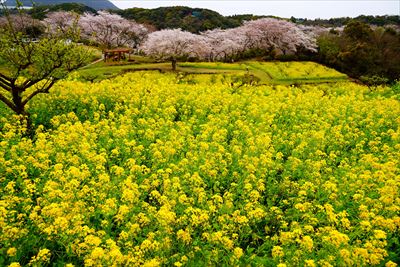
x=194, y=20
x=199, y=19
x=369, y=54
x=41, y=11
x=247, y=71
x=372, y=55
x=191, y=19
x=339, y=22
x=97, y=4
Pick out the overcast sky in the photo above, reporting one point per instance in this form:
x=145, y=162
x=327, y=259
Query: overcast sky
x=297, y=8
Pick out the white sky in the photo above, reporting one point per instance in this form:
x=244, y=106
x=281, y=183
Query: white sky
x=300, y=9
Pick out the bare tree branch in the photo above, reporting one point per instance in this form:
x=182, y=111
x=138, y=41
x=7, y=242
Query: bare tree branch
x=44, y=89
x=8, y=102
x=5, y=83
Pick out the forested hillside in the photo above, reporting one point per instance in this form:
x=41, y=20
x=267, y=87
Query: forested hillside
x=188, y=19
x=40, y=12
x=194, y=20
x=199, y=19
x=338, y=22
x=97, y=4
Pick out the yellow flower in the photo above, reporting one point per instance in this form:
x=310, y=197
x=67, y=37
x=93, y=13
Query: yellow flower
x=301, y=207
x=152, y=263
x=379, y=234
x=92, y=240
x=97, y=253
x=346, y=255
x=238, y=252
x=336, y=238
x=144, y=161
x=277, y=251
x=184, y=235
x=390, y=264
x=361, y=253
x=42, y=256
x=11, y=251
x=307, y=243
x=309, y=263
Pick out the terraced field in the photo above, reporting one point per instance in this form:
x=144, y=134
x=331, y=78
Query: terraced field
x=263, y=72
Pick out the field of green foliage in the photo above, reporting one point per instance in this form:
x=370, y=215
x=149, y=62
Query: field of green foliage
x=164, y=169
x=258, y=72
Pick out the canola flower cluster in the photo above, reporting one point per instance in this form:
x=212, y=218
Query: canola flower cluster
x=297, y=70
x=150, y=170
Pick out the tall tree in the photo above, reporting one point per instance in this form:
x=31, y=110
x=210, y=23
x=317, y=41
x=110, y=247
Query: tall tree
x=270, y=34
x=224, y=44
x=23, y=23
x=111, y=30
x=31, y=67
x=62, y=22
x=173, y=45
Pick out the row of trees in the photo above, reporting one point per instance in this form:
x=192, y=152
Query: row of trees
x=269, y=35
x=110, y=30
x=272, y=36
x=104, y=29
x=361, y=51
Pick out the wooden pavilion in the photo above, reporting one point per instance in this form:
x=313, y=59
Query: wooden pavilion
x=117, y=54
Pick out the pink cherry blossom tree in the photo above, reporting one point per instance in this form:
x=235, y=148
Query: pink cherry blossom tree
x=223, y=44
x=111, y=30
x=62, y=22
x=265, y=34
x=269, y=34
x=314, y=31
x=173, y=45
x=22, y=23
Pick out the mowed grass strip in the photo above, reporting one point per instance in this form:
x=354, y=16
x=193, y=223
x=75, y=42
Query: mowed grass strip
x=266, y=72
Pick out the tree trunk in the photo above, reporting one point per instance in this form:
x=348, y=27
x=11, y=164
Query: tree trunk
x=174, y=64
x=17, y=100
x=20, y=110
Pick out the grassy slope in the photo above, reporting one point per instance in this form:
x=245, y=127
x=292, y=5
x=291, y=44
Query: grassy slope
x=266, y=72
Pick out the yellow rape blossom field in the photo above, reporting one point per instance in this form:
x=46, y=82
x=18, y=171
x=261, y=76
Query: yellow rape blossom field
x=151, y=169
